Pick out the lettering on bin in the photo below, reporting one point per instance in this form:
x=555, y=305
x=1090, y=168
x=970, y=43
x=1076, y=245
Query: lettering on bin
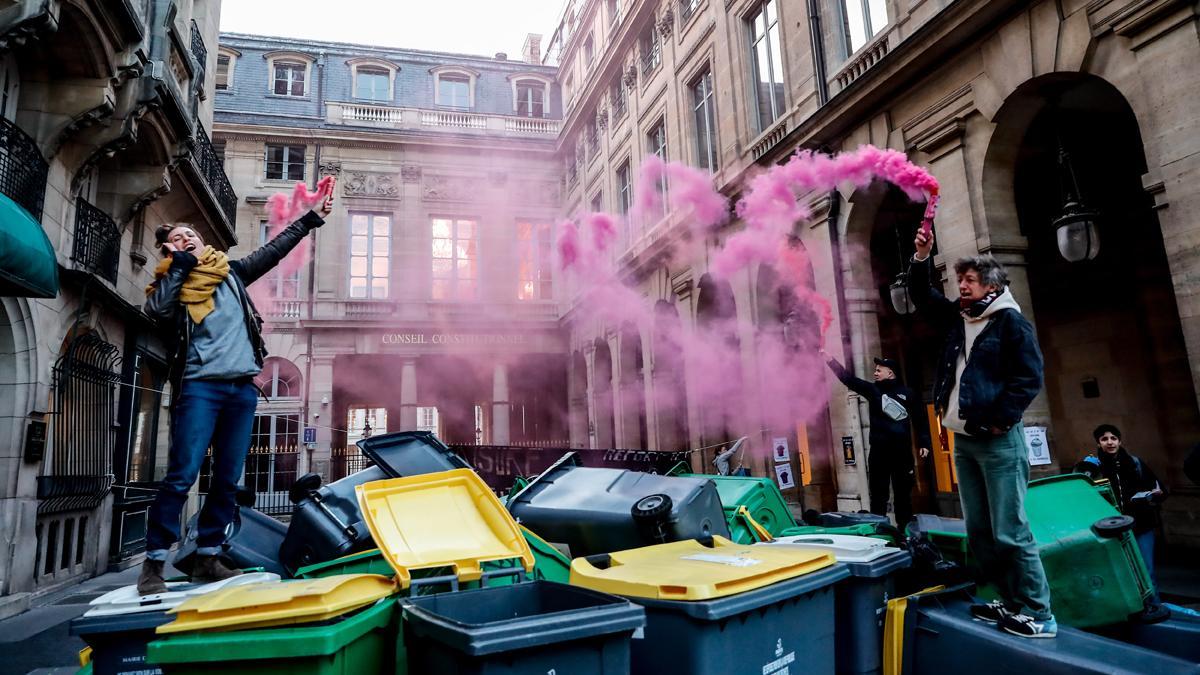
x=780, y=665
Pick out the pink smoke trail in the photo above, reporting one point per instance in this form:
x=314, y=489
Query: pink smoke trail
x=790, y=384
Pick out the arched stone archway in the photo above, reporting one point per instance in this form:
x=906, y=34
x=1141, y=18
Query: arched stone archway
x=577, y=386
x=632, y=392
x=669, y=381
x=1109, y=327
x=718, y=367
x=20, y=372
x=602, y=395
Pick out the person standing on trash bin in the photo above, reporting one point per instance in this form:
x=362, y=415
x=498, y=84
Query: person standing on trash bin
x=989, y=372
x=213, y=332
x=896, y=411
x=1137, y=489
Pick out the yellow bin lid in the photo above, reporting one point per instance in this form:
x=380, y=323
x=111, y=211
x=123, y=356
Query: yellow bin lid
x=445, y=519
x=689, y=570
x=279, y=603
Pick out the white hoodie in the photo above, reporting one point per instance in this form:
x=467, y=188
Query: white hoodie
x=971, y=330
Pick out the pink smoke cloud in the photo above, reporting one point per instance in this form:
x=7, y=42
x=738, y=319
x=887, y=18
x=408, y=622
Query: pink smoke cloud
x=790, y=384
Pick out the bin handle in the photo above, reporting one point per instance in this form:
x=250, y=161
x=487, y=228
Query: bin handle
x=759, y=531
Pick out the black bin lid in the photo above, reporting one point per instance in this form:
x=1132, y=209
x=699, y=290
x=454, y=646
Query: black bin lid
x=411, y=453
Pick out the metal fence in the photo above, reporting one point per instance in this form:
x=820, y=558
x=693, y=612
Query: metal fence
x=269, y=472
x=97, y=241
x=23, y=170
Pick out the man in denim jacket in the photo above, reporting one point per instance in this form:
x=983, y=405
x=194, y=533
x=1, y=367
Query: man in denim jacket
x=214, y=334
x=989, y=372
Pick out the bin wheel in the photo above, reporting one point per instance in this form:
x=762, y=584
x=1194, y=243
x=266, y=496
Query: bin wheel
x=1113, y=526
x=652, y=507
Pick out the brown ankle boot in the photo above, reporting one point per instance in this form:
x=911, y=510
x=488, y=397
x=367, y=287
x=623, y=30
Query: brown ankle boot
x=150, y=581
x=209, y=568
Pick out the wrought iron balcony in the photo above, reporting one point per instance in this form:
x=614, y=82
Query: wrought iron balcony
x=97, y=241
x=22, y=169
x=199, y=51
x=213, y=170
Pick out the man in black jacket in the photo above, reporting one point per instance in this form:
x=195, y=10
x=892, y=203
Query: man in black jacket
x=989, y=372
x=214, y=334
x=895, y=413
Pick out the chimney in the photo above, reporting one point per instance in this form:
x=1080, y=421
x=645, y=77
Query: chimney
x=532, y=51
x=501, y=56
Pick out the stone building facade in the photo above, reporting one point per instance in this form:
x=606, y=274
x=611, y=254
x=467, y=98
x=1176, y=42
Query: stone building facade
x=104, y=120
x=428, y=300
x=1011, y=105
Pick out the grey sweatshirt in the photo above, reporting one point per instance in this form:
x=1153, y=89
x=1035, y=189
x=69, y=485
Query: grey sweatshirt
x=220, y=347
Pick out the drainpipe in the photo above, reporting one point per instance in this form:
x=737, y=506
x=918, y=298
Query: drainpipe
x=312, y=270
x=817, y=43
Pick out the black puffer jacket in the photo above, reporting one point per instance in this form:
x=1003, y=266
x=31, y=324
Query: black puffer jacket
x=172, y=318
x=1127, y=475
x=1004, y=371
x=885, y=431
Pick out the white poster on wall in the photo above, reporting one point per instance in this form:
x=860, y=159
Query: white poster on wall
x=780, y=446
x=1036, y=445
x=783, y=475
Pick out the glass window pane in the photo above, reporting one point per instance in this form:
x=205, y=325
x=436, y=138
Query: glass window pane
x=379, y=288
x=358, y=287
x=855, y=23
x=295, y=172
x=382, y=225
x=465, y=248
x=379, y=267
x=769, y=11
x=358, y=224
x=358, y=245
x=380, y=245
x=524, y=230
x=358, y=266
x=442, y=248
x=466, y=269
x=879, y=17
x=466, y=229
x=441, y=228
x=442, y=268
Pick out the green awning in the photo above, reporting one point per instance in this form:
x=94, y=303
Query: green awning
x=27, y=264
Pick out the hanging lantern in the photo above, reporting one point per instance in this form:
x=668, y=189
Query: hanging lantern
x=1076, y=231
x=902, y=301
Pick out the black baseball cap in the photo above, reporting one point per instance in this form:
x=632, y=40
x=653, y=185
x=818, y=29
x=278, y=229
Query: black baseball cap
x=888, y=363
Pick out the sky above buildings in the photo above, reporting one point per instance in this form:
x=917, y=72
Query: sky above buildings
x=481, y=27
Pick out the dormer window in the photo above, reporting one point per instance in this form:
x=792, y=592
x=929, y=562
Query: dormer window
x=226, y=60
x=373, y=79
x=290, y=73
x=454, y=87
x=531, y=95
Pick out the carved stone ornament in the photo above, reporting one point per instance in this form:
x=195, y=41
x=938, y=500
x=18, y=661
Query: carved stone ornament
x=538, y=192
x=330, y=168
x=602, y=119
x=370, y=184
x=450, y=188
x=410, y=173
x=667, y=22
x=630, y=78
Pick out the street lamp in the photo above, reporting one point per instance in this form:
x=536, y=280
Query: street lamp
x=1078, y=236
x=902, y=301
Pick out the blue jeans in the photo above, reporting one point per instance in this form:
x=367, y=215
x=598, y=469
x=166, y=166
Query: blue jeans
x=1145, y=542
x=219, y=413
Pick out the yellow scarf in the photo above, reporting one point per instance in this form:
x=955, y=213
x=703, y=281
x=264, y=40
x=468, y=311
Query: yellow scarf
x=197, y=292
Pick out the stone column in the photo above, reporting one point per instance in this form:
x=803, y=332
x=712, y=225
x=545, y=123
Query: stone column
x=500, y=408
x=408, y=395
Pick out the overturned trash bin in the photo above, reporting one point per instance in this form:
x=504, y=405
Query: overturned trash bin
x=534, y=627
x=718, y=608
x=861, y=600
x=120, y=623
x=762, y=501
x=252, y=540
x=934, y=634
x=327, y=523
x=598, y=510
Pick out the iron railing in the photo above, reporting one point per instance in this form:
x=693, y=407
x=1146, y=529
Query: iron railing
x=85, y=381
x=269, y=473
x=199, y=51
x=213, y=170
x=23, y=170
x=345, y=461
x=97, y=241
